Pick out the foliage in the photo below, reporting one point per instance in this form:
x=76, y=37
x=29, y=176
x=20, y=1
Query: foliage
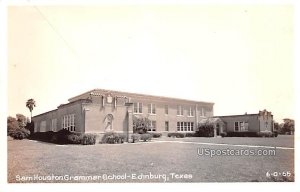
x=12, y=124
x=20, y=133
x=176, y=134
x=135, y=138
x=74, y=139
x=88, y=139
x=223, y=134
x=112, y=138
x=145, y=137
x=64, y=136
x=16, y=127
x=205, y=130
x=265, y=134
x=30, y=126
x=22, y=120
x=140, y=124
x=155, y=135
x=30, y=104
x=191, y=135
x=288, y=126
x=241, y=134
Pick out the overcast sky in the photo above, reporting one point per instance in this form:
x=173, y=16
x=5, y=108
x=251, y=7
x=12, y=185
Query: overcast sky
x=239, y=57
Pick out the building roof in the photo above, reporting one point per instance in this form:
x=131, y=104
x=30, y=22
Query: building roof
x=210, y=120
x=135, y=95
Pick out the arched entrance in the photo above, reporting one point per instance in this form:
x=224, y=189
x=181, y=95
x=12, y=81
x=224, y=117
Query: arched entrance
x=108, y=122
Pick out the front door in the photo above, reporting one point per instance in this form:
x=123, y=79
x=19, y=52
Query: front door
x=218, y=129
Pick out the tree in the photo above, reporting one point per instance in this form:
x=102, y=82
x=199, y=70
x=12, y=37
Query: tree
x=22, y=120
x=12, y=125
x=288, y=125
x=140, y=124
x=30, y=104
x=16, y=127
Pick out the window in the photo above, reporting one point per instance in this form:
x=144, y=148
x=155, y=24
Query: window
x=152, y=126
x=202, y=112
x=179, y=110
x=246, y=125
x=43, y=126
x=166, y=125
x=236, y=126
x=68, y=122
x=240, y=126
x=185, y=126
x=166, y=109
x=53, y=124
x=138, y=108
x=191, y=112
x=178, y=126
x=151, y=108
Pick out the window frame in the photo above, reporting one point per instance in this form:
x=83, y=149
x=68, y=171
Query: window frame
x=179, y=110
x=138, y=108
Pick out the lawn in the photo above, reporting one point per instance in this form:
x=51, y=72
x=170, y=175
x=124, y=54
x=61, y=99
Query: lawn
x=28, y=158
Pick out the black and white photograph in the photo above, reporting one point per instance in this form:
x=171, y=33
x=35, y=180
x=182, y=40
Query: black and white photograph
x=160, y=93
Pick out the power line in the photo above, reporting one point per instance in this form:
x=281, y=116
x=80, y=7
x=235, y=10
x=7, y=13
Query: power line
x=55, y=30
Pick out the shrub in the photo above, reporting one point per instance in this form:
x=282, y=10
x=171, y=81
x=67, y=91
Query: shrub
x=241, y=134
x=205, y=131
x=265, y=134
x=156, y=135
x=61, y=137
x=146, y=137
x=176, y=134
x=191, y=135
x=74, y=139
x=112, y=138
x=275, y=133
x=140, y=124
x=135, y=138
x=223, y=134
x=42, y=136
x=88, y=139
x=20, y=133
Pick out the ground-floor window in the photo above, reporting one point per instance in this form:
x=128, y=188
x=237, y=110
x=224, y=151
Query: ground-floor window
x=68, y=122
x=240, y=126
x=185, y=126
x=43, y=126
x=152, y=126
x=166, y=125
x=53, y=124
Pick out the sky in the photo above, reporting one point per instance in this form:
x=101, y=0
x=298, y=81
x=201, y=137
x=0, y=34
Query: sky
x=238, y=56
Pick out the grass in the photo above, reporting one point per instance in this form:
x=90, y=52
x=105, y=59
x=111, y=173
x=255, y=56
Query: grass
x=26, y=158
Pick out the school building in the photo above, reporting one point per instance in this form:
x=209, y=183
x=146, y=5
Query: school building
x=99, y=110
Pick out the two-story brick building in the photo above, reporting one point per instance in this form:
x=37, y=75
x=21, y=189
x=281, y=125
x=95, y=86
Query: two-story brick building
x=100, y=110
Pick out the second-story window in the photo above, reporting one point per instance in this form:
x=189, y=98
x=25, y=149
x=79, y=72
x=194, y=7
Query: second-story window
x=166, y=109
x=137, y=107
x=151, y=108
x=191, y=112
x=179, y=110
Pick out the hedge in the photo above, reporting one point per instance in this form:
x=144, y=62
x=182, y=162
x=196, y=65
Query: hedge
x=64, y=136
x=146, y=137
x=250, y=134
x=176, y=134
x=112, y=138
x=135, y=137
x=19, y=134
x=155, y=135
